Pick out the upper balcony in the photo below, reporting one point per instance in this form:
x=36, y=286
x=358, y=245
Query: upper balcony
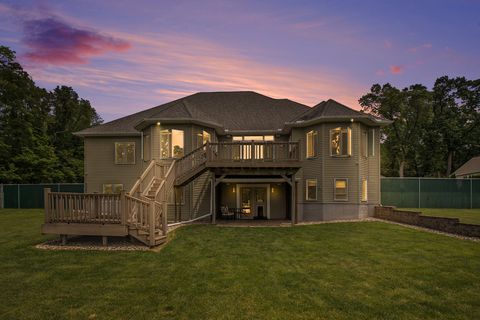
x=237, y=155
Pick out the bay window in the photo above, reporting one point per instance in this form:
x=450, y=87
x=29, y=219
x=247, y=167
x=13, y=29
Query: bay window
x=341, y=189
x=311, y=140
x=171, y=143
x=202, y=138
x=311, y=189
x=341, y=142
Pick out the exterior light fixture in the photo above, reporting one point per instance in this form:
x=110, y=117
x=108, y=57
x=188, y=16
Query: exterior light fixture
x=158, y=123
x=233, y=189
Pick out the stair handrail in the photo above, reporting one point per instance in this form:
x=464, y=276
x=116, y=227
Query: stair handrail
x=170, y=173
x=192, y=160
x=138, y=184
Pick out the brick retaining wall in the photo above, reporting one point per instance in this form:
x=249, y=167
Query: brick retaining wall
x=450, y=225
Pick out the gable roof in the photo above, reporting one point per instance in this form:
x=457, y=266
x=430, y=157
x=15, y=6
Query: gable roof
x=232, y=111
x=470, y=167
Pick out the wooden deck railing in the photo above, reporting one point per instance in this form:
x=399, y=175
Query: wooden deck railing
x=64, y=207
x=253, y=151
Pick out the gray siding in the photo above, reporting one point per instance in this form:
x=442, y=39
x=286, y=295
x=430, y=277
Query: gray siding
x=100, y=167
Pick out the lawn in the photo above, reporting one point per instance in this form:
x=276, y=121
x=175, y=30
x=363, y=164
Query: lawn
x=367, y=270
x=465, y=215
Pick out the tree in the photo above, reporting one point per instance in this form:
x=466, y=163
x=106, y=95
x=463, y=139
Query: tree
x=36, y=128
x=457, y=115
x=26, y=156
x=410, y=112
x=70, y=114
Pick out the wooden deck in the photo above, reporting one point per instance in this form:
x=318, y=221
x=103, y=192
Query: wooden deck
x=142, y=213
x=246, y=155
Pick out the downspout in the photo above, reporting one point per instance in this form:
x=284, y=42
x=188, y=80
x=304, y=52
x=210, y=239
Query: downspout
x=141, y=146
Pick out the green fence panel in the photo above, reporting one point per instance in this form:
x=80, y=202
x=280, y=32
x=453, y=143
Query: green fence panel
x=10, y=196
x=445, y=193
x=402, y=193
x=476, y=193
x=31, y=195
x=72, y=187
x=434, y=193
x=28, y=196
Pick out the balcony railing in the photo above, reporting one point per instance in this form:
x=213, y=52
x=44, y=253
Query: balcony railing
x=253, y=151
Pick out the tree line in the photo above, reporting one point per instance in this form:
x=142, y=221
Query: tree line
x=433, y=132
x=36, y=126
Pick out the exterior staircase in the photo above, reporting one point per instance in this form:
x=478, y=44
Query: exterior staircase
x=153, y=189
x=144, y=236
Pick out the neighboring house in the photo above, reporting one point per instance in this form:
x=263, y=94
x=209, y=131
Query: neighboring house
x=263, y=157
x=470, y=169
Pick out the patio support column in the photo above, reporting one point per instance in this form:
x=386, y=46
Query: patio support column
x=292, y=202
x=213, y=197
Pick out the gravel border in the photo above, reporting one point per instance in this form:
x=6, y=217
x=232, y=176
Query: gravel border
x=451, y=235
x=93, y=243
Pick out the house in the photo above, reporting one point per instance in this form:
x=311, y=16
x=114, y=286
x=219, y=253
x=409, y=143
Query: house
x=221, y=155
x=470, y=169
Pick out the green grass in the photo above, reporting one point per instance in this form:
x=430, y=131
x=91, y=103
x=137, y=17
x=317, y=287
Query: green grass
x=465, y=215
x=368, y=270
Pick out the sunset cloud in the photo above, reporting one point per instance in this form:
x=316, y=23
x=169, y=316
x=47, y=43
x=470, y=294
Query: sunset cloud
x=394, y=69
x=422, y=47
x=53, y=41
x=185, y=64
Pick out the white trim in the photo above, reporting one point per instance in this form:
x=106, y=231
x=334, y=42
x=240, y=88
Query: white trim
x=254, y=185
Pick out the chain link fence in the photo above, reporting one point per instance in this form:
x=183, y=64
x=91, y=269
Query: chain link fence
x=431, y=193
x=28, y=196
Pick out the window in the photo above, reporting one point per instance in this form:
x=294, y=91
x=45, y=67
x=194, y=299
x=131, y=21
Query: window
x=341, y=189
x=146, y=147
x=171, y=143
x=311, y=189
x=112, y=188
x=340, y=142
x=371, y=142
x=124, y=152
x=364, y=190
x=364, y=144
x=311, y=144
x=202, y=138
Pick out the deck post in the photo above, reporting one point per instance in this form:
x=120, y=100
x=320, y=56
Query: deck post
x=63, y=237
x=46, y=203
x=123, y=209
x=165, y=218
x=292, y=202
x=151, y=223
x=214, y=201
x=104, y=241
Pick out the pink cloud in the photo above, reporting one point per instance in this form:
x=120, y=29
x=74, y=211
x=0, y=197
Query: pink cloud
x=52, y=41
x=394, y=69
x=423, y=46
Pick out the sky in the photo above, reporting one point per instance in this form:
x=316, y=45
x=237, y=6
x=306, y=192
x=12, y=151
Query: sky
x=126, y=56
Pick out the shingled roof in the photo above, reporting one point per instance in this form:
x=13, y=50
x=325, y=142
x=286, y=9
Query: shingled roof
x=469, y=168
x=238, y=111
x=335, y=110
x=233, y=111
